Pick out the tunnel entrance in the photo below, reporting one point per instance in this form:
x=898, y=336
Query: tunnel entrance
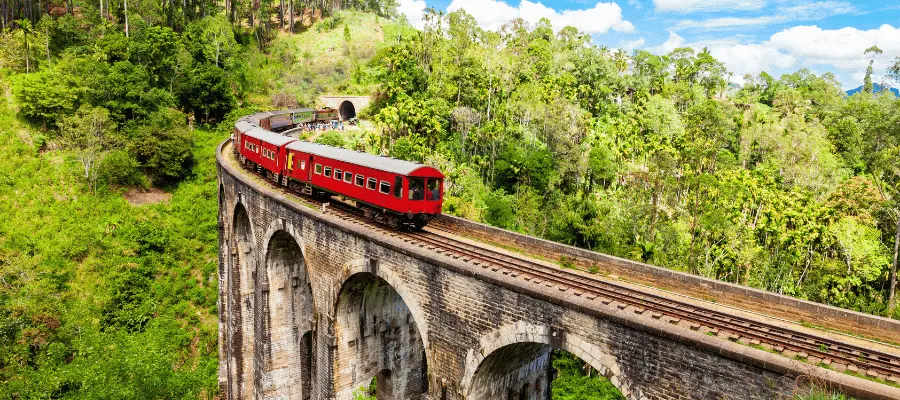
x=347, y=110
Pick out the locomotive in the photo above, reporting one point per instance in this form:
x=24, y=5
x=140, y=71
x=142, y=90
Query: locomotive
x=395, y=192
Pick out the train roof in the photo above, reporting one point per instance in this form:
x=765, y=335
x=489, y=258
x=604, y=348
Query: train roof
x=382, y=163
x=254, y=131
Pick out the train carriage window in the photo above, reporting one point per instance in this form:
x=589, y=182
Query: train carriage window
x=318, y=169
x=348, y=176
x=385, y=187
x=371, y=183
x=360, y=180
x=303, y=164
x=338, y=174
x=328, y=172
x=416, y=189
x=398, y=187
x=434, y=189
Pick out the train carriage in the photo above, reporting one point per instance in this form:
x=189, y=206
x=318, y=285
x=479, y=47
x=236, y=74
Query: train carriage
x=397, y=191
x=392, y=191
x=261, y=147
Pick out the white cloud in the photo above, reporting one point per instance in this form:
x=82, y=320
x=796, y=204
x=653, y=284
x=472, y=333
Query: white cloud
x=837, y=45
x=727, y=22
x=739, y=58
x=630, y=45
x=492, y=14
x=837, y=50
x=803, y=12
x=673, y=42
x=685, y=6
x=817, y=10
x=414, y=10
x=743, y=59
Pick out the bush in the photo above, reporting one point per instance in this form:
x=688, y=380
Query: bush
x=121, y=168
x=42, y=97
x=331, y=139
x=162, y=144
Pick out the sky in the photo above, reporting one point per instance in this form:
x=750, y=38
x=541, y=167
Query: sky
x=749, y=36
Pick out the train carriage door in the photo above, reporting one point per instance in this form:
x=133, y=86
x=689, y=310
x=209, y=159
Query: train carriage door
x=309, y=170
x=398, y=187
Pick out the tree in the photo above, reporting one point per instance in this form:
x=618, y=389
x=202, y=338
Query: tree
x=87, y=135
x=211, y=40
x=205, y=91
x=868, y=87
x=156, y=48
x=162, y=144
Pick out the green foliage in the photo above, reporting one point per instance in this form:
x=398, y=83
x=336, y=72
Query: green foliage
x=156, y=48
x=206, y=92
x=121, y=168
x=577, y=380
x=367, y=392
x=162, y=146
x=331, y=138
x=43, y=97
x=116, y=300
x=211, y=40
x=540, y=132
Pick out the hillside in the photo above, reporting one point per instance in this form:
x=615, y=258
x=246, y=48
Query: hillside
x=877, y=89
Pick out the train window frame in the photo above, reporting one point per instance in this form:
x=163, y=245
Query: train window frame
x=398, y=187
x=318, y=169
x=348, y=176
x=371, y=183
x=360, y=180
x=327, y=172
x=382, y=185
x=428, y=191
x=338, y=174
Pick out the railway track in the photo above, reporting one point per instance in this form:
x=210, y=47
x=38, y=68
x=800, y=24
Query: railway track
x=812, y=348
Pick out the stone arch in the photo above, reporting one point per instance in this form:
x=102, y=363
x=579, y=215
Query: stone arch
x=240, y=304
x=286, y=317
x=378, y=333
x=347, y=110
x=530, y=342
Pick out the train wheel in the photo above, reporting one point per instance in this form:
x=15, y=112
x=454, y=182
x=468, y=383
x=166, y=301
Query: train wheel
x=392, y=221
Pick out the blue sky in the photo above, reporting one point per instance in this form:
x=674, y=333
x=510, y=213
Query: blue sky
x=749, y=36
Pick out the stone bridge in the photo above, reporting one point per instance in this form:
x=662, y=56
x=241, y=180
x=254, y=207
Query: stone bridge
x=312, y=306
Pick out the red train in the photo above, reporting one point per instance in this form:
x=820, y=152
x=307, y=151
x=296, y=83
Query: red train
x=388, y=190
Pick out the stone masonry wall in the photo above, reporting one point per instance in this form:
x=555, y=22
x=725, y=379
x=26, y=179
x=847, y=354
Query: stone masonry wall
x=462, y=313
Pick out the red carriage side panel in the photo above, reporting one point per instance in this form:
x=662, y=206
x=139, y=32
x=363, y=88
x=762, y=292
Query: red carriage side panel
x=378, y=181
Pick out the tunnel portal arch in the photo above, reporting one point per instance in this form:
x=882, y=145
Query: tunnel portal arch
x=347, y=110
